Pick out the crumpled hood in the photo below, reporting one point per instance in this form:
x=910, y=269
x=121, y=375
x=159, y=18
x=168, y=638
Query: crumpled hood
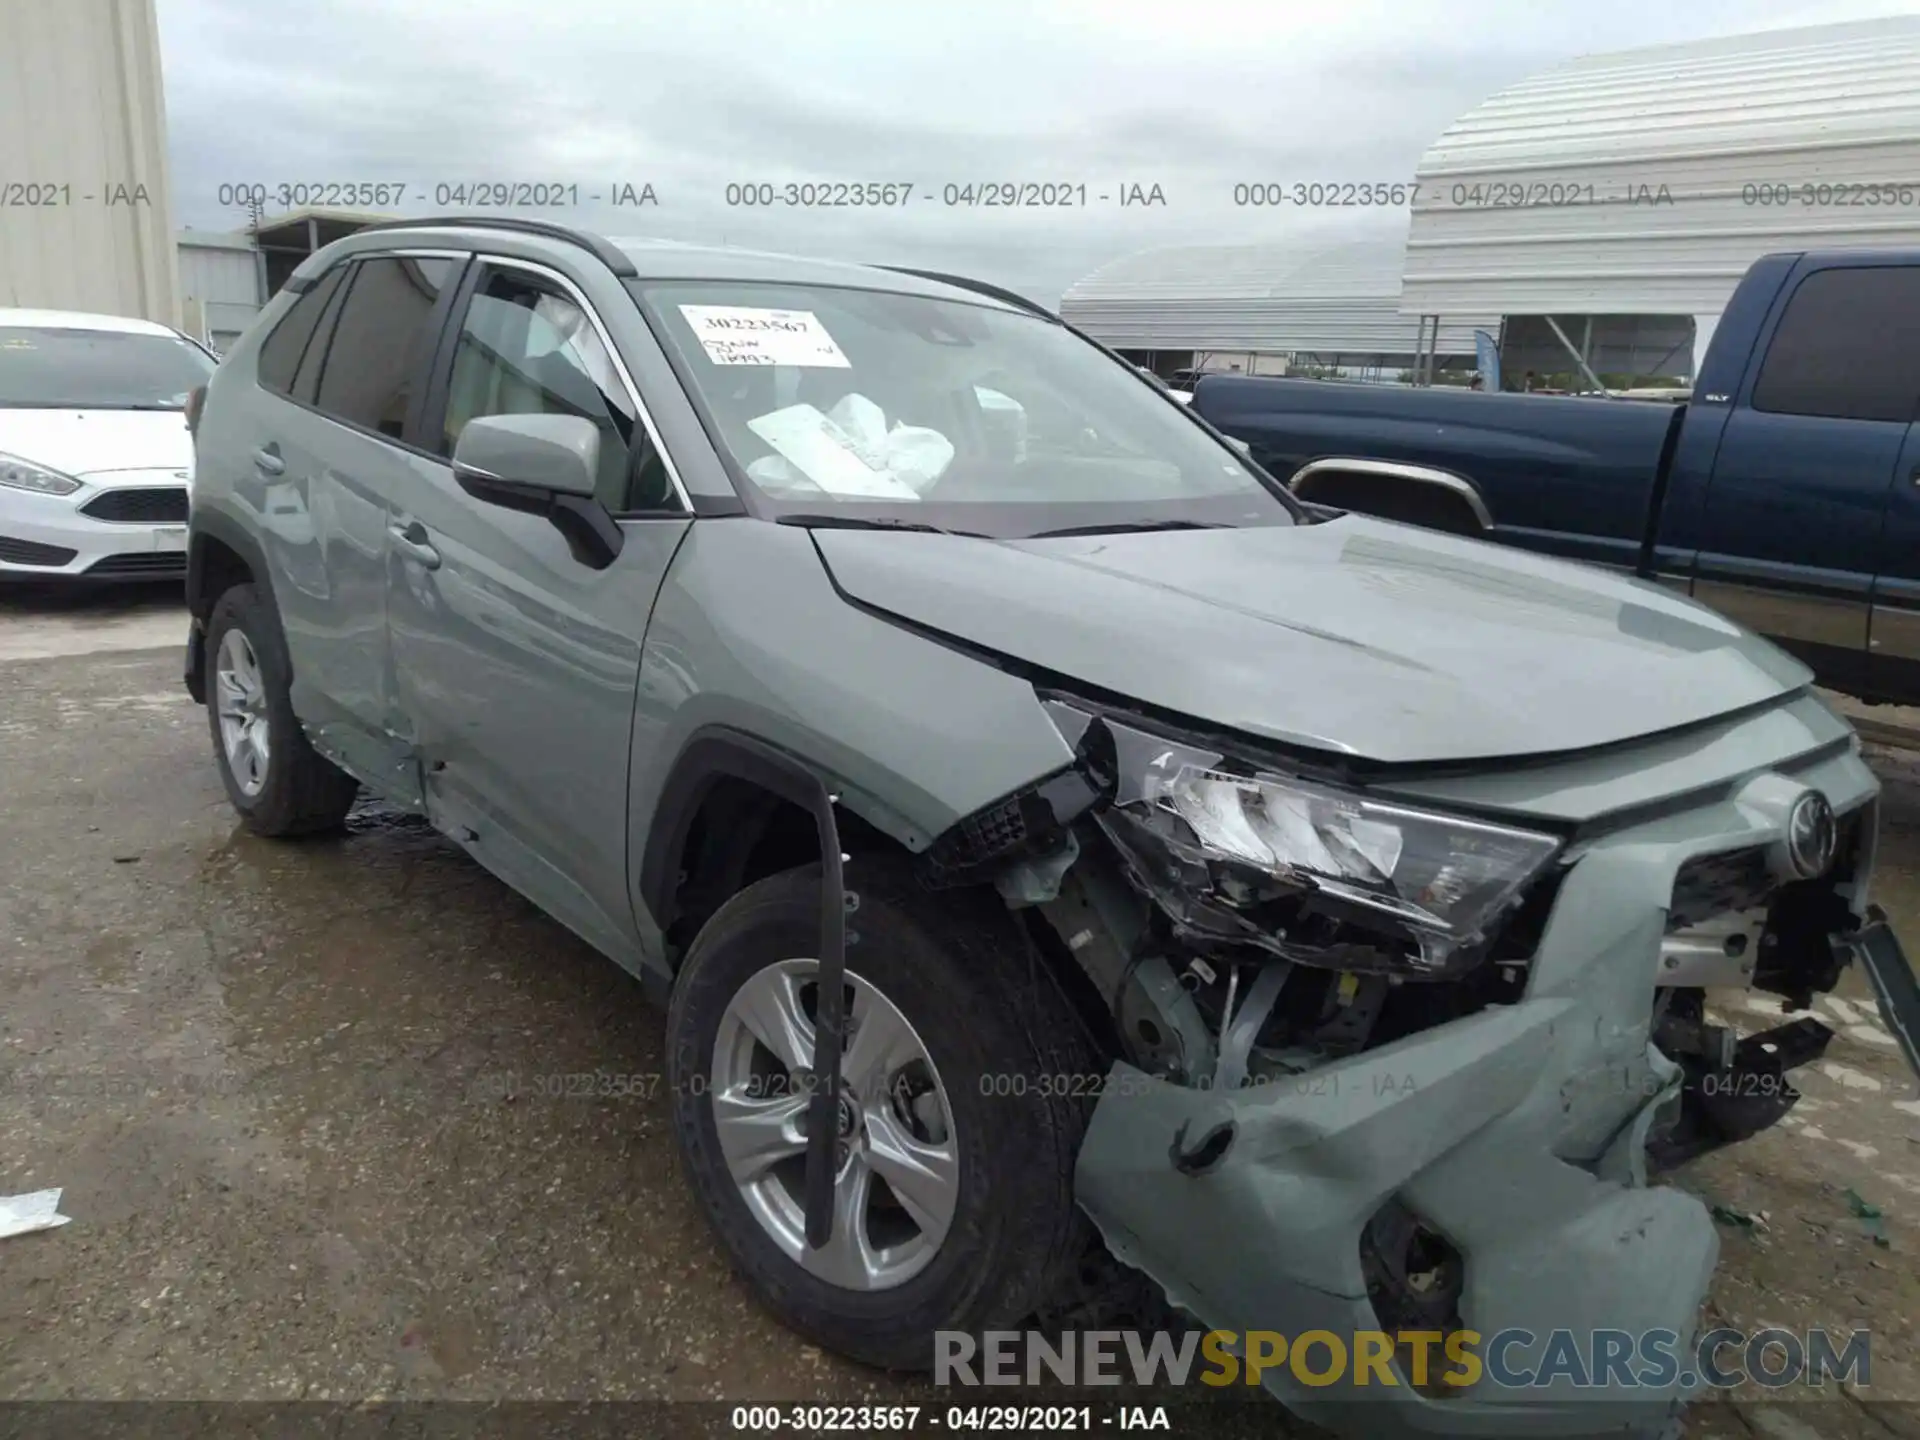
x=84, y=442
x=1358, y=636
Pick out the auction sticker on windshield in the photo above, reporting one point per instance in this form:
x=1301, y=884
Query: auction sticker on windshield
x=750, y=335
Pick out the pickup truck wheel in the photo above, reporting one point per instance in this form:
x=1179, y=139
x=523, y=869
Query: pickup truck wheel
x=958, y=1128
x=274, y=778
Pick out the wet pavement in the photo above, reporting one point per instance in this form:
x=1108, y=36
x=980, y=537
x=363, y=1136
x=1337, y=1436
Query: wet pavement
x=309, y=1103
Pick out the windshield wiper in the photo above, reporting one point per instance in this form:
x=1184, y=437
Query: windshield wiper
x=869, y=522
x=1122, y=527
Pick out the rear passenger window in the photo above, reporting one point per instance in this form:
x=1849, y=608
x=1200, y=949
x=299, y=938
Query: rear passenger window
x=1848, y=347
x=306, y=380
x=281, y=353
x=382, y=341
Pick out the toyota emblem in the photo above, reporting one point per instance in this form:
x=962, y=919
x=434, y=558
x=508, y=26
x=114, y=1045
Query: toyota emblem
x=1811, y=835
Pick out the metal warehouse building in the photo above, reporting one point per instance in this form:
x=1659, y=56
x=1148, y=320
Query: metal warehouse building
x=1609, y=206
x=222, y=285
x=226, y=278
x=1260, y=308
x=88, y=219
x=1596, y=216
x=83, y=132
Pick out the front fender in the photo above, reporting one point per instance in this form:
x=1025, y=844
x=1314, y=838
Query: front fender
x=749, y=636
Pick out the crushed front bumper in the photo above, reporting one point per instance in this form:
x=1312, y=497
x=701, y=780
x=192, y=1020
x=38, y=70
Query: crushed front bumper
x=1518, y=1133
x=1877, y=950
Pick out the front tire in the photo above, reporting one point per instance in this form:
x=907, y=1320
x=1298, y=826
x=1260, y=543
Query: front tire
x=274, y=778
x=961, y=1118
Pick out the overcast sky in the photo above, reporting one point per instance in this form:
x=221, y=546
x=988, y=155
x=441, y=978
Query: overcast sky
x=1192, y=97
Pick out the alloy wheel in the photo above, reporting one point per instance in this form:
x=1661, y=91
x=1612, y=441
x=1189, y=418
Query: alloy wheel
x=240, y=697
x=897, y=1160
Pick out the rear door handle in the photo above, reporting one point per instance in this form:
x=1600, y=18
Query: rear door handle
x=268, y=462
x=411, y=539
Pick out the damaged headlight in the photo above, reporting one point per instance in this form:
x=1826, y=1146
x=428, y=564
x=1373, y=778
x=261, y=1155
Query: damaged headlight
x=1238, y=843
x=1436, y=872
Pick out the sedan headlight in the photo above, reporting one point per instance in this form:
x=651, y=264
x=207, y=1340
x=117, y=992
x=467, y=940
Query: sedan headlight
x=19, y=474
x=1221, y=848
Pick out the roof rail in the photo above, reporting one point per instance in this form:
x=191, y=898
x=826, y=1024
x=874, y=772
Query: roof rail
x=611, y=256
x=979, y=287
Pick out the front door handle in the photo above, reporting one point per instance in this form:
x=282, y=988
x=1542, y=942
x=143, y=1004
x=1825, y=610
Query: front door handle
x=411, y=539
x=268, y=462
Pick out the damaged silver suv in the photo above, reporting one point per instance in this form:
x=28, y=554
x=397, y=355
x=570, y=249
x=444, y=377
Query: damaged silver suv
x=1028, y=811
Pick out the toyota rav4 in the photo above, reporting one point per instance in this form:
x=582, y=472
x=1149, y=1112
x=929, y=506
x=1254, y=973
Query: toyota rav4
x=1028, y=812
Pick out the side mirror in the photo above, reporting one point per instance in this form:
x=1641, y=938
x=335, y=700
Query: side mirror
x=546, y=465
x=559, y=454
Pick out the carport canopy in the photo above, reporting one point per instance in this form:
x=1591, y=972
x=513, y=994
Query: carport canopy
x=1645, y=182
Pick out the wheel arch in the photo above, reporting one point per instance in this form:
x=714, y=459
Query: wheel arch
x=216, y=542
x=728, y=814
x=220, y=555
x=728, y=774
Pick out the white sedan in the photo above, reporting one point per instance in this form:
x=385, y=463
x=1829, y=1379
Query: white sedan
x=95, y=458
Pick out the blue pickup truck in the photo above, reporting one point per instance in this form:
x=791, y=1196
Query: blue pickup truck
x=1785, y=493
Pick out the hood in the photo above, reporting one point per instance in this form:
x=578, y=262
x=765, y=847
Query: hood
x=1357, y=636
x=86, y=442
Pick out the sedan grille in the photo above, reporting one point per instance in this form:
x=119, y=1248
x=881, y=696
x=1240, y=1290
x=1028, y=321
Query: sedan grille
x=157, y=505
x=29, y=552
x=163, y=562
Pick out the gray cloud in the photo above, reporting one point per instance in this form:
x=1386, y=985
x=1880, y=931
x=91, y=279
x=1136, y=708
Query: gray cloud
x=690, y=98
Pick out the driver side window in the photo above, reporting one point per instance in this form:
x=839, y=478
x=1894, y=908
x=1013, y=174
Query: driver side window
x=526, y=347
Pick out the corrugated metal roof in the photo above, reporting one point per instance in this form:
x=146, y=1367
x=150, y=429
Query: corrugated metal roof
x=1271, y=298
x=1548, y=197
x=215, y=240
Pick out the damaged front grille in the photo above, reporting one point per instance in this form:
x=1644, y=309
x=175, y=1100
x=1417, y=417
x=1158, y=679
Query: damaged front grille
x=1734, y=880
x=1710, y=885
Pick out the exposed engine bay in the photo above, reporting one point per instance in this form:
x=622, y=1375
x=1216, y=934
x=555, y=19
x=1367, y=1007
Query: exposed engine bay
x=1245, y=928
x=1247, y=925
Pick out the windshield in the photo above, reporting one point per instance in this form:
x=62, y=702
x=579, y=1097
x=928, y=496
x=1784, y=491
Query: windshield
x=50, y=367
x=858, y=406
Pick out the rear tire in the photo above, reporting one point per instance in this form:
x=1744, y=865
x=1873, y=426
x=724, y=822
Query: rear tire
x=1002, y=1046
x=274, y=778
